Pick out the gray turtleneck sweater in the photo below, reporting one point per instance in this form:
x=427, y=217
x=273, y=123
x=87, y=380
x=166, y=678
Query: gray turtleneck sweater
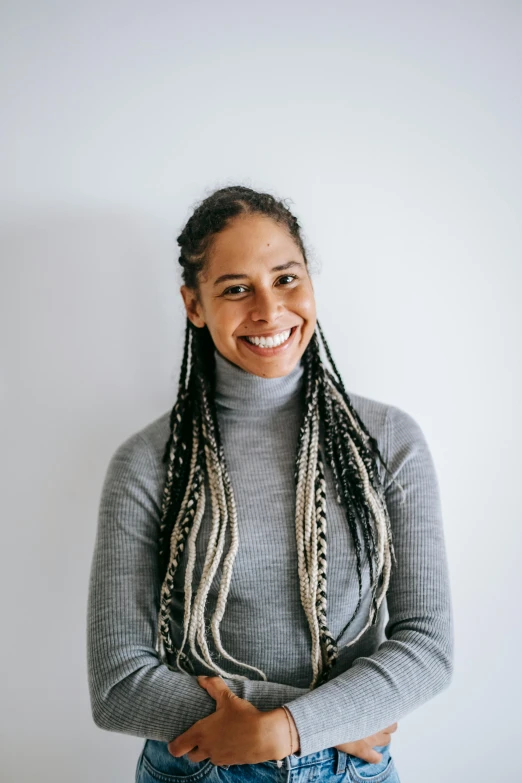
x=397, y=665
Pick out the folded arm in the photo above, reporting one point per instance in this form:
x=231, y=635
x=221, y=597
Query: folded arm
x=416, y=660
x=131, y=691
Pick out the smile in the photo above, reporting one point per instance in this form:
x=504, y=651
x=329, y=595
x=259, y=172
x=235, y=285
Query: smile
x=270, y=344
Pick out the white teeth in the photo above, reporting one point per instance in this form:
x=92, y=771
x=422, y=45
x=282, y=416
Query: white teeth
x=270, y=342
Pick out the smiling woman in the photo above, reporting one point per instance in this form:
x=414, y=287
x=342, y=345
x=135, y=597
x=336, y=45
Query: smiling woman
x=265, y=321
x=329, y=616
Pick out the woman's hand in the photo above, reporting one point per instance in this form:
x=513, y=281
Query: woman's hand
x=236, y=733
x=363, y=748
x=239, y=733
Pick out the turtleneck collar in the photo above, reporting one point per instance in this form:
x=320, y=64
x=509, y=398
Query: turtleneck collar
x=237, y=389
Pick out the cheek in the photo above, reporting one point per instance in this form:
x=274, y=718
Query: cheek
x=225, y=321
x=305, y=305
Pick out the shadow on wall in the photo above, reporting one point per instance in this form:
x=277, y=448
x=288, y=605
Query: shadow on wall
x=93, y=327
x=93, y=322
x=92, y=304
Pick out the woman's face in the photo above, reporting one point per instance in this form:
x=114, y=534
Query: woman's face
x=255, y=285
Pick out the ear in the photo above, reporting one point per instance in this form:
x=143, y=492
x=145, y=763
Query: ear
x=192, y=306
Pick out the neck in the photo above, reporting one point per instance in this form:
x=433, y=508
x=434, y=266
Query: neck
x=237, y=389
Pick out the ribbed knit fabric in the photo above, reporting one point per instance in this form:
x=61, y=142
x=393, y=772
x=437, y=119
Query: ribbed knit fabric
x=397, y=665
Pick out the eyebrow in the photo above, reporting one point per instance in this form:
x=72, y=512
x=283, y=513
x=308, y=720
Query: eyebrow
x=279, y=268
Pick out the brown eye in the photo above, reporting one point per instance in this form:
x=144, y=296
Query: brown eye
x=291, y=278
x=233, y=289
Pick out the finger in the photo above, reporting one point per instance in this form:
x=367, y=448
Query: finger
x=370, y=755
x=197, y=755
x=182, y=744
x=216, y=687
x=392, y=728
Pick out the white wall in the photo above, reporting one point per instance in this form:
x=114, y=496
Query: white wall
x=395, y=129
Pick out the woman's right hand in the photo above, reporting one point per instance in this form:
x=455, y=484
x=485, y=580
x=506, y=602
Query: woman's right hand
x=363, y=748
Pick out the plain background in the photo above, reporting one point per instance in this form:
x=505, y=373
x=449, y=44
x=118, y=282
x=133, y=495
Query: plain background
x=395, y=129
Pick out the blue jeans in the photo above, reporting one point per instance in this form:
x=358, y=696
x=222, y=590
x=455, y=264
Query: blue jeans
x=157, y=765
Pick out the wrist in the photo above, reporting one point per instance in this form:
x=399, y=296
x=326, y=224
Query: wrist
x=294, y=734
x=280, y=733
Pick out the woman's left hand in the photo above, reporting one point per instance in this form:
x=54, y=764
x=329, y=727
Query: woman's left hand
x=236, y=733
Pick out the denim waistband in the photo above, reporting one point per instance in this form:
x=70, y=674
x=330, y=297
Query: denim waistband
x=292, y=761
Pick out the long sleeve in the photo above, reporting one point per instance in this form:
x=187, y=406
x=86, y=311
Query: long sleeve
x=415, y=662
x=131, y=691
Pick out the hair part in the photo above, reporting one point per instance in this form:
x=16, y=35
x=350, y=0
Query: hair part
x=215, y=213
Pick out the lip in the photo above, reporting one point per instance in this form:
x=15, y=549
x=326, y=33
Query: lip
x=270, y=351
x=269, y=334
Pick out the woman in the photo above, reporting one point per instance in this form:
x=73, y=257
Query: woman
x=220, y=521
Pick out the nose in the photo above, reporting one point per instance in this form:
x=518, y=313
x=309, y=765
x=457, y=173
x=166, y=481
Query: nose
x=266, y=306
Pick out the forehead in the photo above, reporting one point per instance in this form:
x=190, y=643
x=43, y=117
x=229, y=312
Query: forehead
x=251, y=240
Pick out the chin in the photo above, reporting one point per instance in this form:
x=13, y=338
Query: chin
x=278, y=370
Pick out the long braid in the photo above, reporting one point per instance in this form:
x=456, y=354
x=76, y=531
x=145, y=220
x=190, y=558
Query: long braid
x=344, y=441
x=359, y=485
x=207, y=468
x=335, y=447
x=176, y=450
x=331, y=433
x=305, y=485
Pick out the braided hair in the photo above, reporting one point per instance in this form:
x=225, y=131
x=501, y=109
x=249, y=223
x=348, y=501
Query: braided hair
x=195, y=460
